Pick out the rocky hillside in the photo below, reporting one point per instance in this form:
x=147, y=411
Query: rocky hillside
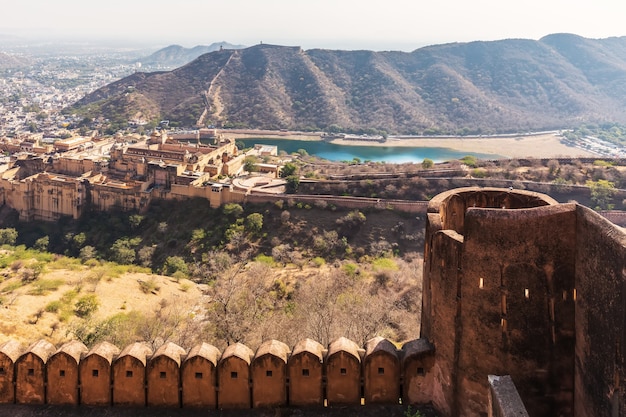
x=176, y=56
x=559, y=81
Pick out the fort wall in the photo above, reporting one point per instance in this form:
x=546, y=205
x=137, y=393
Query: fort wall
x=237, y=379
x=519, y=319
x=517, y=284
x=600, y=312
x=339, y=201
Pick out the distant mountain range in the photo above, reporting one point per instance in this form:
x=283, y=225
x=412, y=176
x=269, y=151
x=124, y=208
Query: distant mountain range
x=174, y=56
x=561, y=80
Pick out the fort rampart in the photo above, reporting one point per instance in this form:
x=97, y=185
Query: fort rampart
x=517, y=284
x=237, y=378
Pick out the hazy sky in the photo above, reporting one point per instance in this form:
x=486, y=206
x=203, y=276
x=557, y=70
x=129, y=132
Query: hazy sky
x=336, y=24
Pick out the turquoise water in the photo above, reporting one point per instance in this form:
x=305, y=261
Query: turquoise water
x=333, y=152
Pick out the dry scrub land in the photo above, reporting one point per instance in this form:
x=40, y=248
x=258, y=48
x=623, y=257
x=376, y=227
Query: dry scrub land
x=294, y=278
x=61, y=298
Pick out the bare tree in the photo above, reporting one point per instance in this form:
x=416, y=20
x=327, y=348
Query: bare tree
x=237, y=302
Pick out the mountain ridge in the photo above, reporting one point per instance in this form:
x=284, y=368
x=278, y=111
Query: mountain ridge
x=174, y=56
x=511, y=85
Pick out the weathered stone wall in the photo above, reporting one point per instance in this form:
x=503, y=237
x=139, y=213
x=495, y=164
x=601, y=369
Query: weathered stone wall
x=515, y=283
x=600, y=314
x=74, y=165
x=517, y=313
x=440, y=313
x=494, y=274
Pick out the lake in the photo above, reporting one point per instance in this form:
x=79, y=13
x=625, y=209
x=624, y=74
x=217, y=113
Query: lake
x=391, y=154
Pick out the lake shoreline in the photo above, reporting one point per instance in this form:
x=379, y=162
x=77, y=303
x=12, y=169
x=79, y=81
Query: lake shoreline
x=541, y=145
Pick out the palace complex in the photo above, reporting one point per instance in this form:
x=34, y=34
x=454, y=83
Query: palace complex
x=78, y=174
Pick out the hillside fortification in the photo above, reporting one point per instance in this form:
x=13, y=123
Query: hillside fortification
x=519, y=291
x=516, y=283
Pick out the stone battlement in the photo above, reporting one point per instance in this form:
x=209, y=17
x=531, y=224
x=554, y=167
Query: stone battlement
x=237, y=378
x=517, y=284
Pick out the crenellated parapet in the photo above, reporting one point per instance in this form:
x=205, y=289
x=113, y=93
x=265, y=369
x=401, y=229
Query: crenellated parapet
x=238, y=378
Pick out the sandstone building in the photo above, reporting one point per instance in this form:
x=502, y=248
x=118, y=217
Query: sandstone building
x=84, y=175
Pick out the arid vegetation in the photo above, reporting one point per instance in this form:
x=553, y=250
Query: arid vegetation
x=285, y=271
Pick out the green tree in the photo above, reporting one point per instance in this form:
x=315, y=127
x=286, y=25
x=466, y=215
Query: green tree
x=86, y=305
x=250, y=164
x=232, y=210
x=135, y=220
x=288, y=169
x=175, y=264
x=42, y=243
x=86, y=253
x=254, y=223
x=235, y=235
x=427, y=163
x=293, y=182
x=470, y=161
x=123, y=251
x=79, y=240
x=8, y=236
x=351, y=220
x=602, y=192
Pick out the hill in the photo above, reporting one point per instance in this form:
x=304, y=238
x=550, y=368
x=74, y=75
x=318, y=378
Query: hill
x=561, y=80
x=174, y=56
x=8, y=61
